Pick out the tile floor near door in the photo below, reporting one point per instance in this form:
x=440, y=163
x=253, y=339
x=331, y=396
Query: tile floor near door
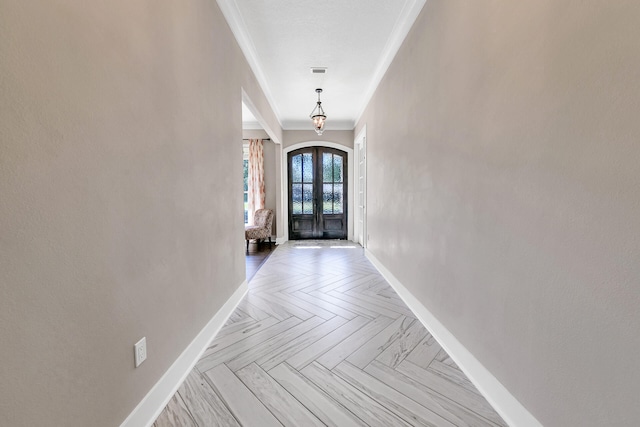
x=322, y=339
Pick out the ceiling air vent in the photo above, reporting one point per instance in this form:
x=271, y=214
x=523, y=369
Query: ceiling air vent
x=318, y=70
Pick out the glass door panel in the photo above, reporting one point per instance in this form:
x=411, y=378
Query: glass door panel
x=317, y=187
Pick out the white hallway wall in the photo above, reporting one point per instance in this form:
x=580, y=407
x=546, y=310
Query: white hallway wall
x=121, y=197
x=504, y=191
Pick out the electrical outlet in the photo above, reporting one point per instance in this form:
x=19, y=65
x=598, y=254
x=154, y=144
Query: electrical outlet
x=140, y=351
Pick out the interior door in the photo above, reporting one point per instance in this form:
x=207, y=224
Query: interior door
x=317, y=193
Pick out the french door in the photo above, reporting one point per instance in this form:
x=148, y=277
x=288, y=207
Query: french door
x=317, y=193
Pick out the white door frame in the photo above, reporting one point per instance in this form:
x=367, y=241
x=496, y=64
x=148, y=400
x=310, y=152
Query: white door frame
x=284, y=186
x=360, y=143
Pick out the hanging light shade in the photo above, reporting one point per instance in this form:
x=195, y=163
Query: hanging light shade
x=317, y=115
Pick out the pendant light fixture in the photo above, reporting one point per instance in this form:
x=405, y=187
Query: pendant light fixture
x=317, y=115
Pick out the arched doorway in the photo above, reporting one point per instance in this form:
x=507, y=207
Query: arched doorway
x=317, y=190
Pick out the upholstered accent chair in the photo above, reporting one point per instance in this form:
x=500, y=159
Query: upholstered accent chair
x=263, y=219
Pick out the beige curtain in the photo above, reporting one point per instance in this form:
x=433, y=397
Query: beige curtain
x=256, y=178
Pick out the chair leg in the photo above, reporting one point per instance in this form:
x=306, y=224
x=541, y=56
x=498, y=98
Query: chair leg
x=269, y=241
x=247, y=245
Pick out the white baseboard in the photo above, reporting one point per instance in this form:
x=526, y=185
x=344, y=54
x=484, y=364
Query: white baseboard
x=154, y=402
x=280, y=240
x=509, y=408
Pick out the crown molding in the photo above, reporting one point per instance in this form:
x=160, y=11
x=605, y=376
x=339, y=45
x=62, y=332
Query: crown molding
x=238, y=27
x=252, y=126
x=403, y=25
x=405, y=21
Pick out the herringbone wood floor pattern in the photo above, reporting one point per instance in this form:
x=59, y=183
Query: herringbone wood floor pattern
x=322, y=339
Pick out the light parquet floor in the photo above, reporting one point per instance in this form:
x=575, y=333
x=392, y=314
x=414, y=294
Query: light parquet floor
x=321, y=339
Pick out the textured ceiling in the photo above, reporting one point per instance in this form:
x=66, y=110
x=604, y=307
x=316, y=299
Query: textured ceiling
x=355, y=39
